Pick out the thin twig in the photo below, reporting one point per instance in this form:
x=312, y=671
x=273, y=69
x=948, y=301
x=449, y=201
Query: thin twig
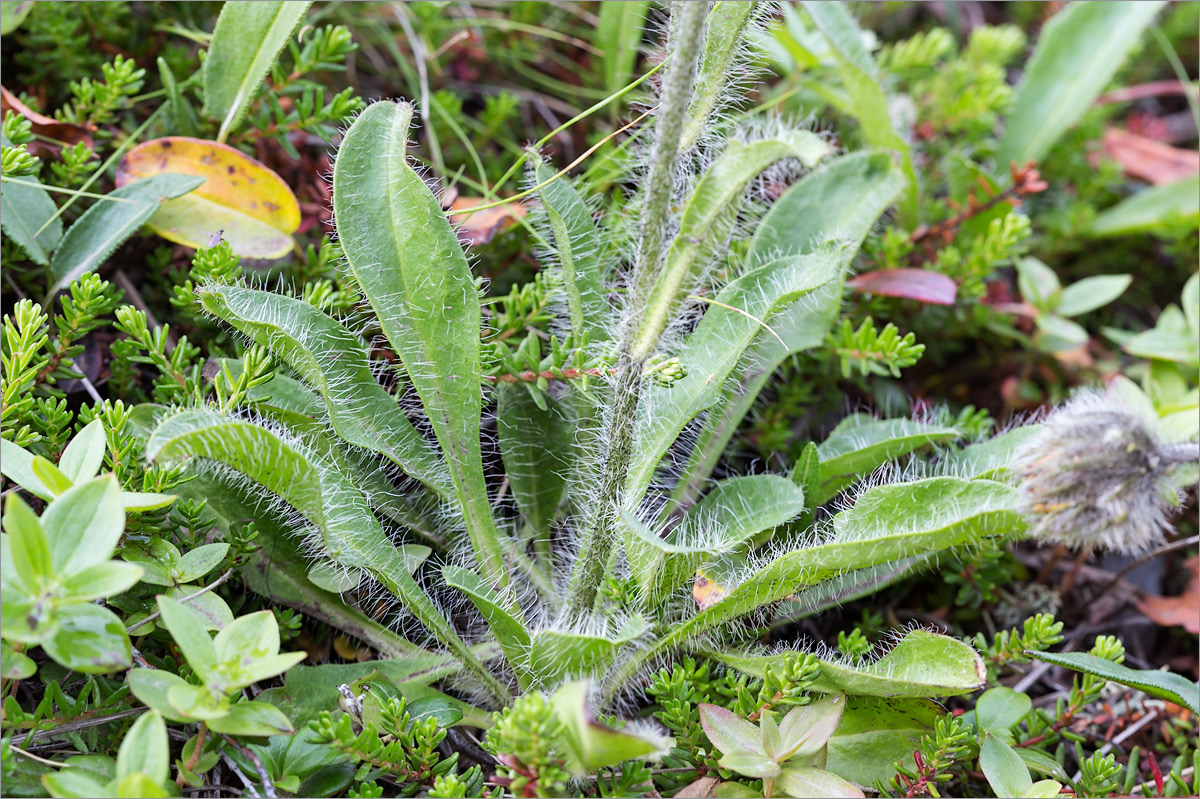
x=267, y=786
x=183, y=601
x=83, y=724
x=32, y=756
x=240, y=774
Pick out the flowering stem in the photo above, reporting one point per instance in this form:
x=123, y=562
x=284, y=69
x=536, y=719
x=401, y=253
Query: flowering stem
x=599, y=538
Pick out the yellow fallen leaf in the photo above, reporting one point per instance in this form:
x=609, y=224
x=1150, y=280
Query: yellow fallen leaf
x=249, y=205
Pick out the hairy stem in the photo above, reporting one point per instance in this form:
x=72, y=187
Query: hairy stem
x=600, y=536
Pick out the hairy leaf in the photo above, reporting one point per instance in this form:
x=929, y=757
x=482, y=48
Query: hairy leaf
x=350, y=533
x=333, y=361
x=708, y=219
x=714, y=349
x=107, y=224
x=403, y=253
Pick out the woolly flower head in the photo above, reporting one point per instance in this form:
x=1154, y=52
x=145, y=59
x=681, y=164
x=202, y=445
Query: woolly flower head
x=1099, y=475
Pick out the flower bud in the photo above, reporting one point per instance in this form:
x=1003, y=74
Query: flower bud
x=1098, y=475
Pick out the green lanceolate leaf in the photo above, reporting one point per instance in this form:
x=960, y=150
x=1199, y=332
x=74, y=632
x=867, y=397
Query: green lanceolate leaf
x=739, y=509
x=504, y=617
x=618, y=35
x=888, y=523
x=351, y=535
x=714, y=349
x=333, y=361
x=844, y=197
x=84, y=456
x=406, y=258
x=1163, y=684
x=869, y=102
x=708, y=219
x=990, y=458
x=245, y=44
x=726, y=23
x=1150, y=209
x=1078, y=52
x=577, y=250
x=922, y=664
x=537, y=446
x=105, y=225
x=279, y=569
x=861, y=443
x=84, y=524
x=24, y=210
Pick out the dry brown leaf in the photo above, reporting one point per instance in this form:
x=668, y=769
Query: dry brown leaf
x=64, y=132
x=479, y=228
x=1149, y=159
x=1177, y=611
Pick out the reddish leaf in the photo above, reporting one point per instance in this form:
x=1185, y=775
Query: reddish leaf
x=921, y=285
x=1141, y=91
x=1150, y=160
x=64, y=132
x=1177, y=611
x=480, y=227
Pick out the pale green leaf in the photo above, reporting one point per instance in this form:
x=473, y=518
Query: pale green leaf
x=1003, y=767
x=714, y=349
x=593, y=746
x=84, y=456
x=192, y=639
x=504, y=618
x=144, y=749
x=708, y=219
x=84, y=524
x=1077, y=54
x=578, y=250
x=100, y=580
x=90, y=639
x=1151, y=209
x=107, y=224
x=16, y=464
x=23, y=212
x=1092, y=293
x=245, y=44
x=861, y=443
x=317, y=489
x=726, y=25
x=255, y=719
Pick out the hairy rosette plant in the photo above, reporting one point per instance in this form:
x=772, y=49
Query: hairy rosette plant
x=610, y=418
